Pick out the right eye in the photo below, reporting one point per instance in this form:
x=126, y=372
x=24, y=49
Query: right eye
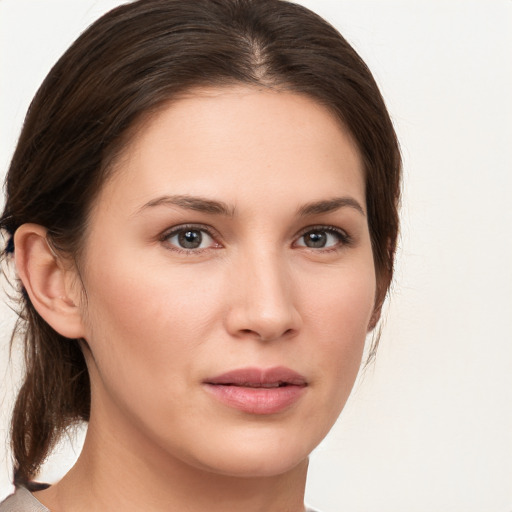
x=189, y=238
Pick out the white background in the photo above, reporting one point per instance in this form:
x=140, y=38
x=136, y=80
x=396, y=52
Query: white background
x=429, y=426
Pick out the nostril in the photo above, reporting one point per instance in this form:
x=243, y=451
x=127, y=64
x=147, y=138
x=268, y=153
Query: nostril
x=267, y=336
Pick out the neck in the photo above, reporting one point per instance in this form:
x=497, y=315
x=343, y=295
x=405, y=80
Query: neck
x=118, y=471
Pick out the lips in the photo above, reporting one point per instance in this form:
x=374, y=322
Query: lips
x=258, y=391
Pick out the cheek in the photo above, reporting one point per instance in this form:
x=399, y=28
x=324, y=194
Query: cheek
x=339, y=318
x=342, y=301
x=143, y=322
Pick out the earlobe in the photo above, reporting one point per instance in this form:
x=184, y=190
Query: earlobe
x=47, y=281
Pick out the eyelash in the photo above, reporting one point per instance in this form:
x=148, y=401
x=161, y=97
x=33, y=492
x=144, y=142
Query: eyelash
x=189, y=227
x=343, y=238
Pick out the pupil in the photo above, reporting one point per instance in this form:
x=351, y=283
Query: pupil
x=190, y=239
x=316, y=239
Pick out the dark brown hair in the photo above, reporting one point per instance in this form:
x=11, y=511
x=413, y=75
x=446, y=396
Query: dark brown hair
x=126, y=65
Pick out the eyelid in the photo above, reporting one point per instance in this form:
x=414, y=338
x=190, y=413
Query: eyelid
x=345, y=238
x=169, y=232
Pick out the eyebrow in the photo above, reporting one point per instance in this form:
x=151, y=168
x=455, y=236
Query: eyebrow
x=201, y=204
x=330, y=205
x=195, y=203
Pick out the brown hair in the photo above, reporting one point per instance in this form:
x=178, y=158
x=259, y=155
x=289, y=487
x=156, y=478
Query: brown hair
x=128, y=63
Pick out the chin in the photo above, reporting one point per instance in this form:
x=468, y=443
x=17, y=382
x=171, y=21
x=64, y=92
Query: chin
x=268, y=465
x=263, y=457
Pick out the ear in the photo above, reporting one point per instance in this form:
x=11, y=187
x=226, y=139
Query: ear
x=50, y=283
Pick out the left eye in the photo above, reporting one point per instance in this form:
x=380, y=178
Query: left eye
x=190, y=238
x=321, y=239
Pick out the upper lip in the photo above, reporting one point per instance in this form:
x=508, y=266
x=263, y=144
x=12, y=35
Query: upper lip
x=259, y=377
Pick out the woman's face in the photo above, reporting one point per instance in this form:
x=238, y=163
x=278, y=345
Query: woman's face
x=230, y=282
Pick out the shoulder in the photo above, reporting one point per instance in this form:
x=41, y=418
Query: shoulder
x=22, y=501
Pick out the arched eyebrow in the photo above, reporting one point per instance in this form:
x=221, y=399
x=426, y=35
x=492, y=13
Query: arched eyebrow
x=195, y=203
x=202, y=204
x=330, y=205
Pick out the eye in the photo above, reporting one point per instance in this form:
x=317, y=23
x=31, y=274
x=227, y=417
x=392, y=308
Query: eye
x=189, y=238
x=323, y=238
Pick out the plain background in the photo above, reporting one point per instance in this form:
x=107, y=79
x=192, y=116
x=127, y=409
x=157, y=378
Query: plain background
x=429, y=426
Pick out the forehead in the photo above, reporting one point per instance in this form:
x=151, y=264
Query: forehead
x=239, y=141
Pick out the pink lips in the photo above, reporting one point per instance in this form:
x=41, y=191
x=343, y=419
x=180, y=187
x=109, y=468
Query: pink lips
x=258, y=391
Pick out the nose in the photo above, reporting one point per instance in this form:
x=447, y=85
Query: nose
x=262, y=304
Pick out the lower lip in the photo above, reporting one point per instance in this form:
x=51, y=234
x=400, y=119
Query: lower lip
x=257, y=400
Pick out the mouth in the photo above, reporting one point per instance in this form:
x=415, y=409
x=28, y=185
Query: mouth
x=258, y=391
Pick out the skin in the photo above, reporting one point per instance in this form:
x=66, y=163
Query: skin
x=159, y=319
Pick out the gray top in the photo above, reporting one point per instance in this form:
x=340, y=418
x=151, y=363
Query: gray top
x=24, y=501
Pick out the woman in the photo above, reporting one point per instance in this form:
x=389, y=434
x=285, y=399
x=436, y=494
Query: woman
x=202, y=211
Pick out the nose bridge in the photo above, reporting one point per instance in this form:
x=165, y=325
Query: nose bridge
x=264, y=305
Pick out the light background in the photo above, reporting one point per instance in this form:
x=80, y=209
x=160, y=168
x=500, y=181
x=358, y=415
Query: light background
x=429, y=426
